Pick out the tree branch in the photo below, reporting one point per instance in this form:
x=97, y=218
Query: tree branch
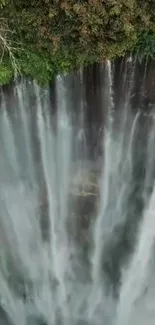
x=6, y=45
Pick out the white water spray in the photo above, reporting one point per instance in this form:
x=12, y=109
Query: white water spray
x=135, y=278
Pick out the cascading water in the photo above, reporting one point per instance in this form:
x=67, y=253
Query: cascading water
x=77, y=233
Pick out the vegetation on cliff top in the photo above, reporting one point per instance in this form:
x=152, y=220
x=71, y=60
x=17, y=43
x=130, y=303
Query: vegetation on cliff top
x=43, y=37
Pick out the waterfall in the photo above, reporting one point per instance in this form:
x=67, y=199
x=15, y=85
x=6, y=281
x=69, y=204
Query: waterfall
x=77, y=232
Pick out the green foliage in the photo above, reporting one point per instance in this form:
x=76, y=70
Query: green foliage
x=6, y=73
x=145, y=46
x=33, y=64
x=2, y=3
x=56, y=36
